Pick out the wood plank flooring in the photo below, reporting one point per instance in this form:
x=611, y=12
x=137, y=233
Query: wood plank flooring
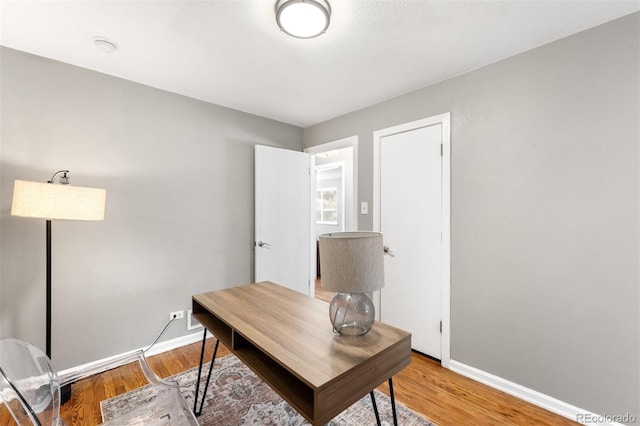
x=444, y=397
x=438, y=394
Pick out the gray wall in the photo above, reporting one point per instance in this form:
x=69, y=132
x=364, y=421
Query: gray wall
x=179, y=219
x=544, y=216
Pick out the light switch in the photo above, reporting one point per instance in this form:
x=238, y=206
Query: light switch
x=364, y=207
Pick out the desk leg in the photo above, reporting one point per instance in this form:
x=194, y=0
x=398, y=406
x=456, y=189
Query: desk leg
x=195, y=397
x=375, y=409
x=393, y=402
x=206, y=386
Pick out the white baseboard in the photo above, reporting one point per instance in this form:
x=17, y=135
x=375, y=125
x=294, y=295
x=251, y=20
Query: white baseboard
x=157, y=349
x=536, y=398
x=178, y=342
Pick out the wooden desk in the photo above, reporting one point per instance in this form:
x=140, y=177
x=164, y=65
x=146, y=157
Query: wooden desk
x=287, y=339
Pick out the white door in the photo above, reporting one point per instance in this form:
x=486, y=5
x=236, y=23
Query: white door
x=282, y=217
x=410, y=219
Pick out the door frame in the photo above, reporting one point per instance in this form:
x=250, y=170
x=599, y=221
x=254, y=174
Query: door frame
x=445, y=121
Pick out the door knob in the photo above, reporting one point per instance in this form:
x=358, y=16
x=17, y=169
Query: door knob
x=263, y=244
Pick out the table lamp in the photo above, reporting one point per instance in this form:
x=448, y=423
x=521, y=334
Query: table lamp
x=352, y=265
x=56, y=202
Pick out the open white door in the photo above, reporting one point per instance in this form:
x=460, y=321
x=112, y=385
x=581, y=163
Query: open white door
x=283, y=217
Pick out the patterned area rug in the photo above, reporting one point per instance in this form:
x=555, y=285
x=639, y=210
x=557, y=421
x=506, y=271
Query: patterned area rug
x=237, y=396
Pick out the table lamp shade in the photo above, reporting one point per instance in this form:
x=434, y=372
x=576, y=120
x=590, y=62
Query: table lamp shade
x=352, y=262
x=57, y=202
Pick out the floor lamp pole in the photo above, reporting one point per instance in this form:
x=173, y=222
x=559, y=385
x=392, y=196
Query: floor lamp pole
x=48, y=351
x=65, y=391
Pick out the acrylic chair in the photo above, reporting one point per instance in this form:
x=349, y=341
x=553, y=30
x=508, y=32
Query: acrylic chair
x=29, y=386
x=30, y=389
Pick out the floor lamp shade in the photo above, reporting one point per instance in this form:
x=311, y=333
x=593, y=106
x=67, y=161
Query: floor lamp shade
x=352, y=265
x=57, y=202
x=49, y=201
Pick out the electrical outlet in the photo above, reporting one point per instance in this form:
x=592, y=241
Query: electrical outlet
x=176, y=315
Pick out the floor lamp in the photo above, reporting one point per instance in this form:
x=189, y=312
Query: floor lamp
x=49, y=201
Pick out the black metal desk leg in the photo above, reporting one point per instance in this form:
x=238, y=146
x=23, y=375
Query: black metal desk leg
x=195, y=397
x=206, y=386
x=393, y=402
x=375, y=408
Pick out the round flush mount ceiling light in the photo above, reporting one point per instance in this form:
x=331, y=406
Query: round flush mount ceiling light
x=303, y=18
x=104, y=45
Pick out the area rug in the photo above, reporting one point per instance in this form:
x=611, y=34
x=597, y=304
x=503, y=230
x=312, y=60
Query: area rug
x=237, y=396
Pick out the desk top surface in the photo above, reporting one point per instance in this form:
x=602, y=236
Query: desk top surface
x=294, y=329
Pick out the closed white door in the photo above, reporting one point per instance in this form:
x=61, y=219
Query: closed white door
x=410, y=217
x=282, y=217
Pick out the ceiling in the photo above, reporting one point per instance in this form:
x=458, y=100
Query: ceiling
x=231, y=52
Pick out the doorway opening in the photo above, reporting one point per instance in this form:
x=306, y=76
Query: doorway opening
x=334, y=197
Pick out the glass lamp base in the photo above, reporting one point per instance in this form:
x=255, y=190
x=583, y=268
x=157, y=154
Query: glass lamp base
x=352, y=314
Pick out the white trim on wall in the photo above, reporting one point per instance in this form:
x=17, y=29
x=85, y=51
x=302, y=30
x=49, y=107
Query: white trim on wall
x=445, y=121
x=534, y=397
x=159, y=348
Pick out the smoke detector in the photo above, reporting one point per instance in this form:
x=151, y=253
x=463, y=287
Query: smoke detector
x=105, y=45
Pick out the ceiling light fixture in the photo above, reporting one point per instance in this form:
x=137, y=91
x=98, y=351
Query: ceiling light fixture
x=303, y=18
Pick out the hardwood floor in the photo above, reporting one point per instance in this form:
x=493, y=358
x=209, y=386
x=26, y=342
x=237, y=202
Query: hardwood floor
x=444, y=397
x=440, y=395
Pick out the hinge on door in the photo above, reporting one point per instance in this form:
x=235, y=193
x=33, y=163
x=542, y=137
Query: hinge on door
x=441, y=150
x=440, y=326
